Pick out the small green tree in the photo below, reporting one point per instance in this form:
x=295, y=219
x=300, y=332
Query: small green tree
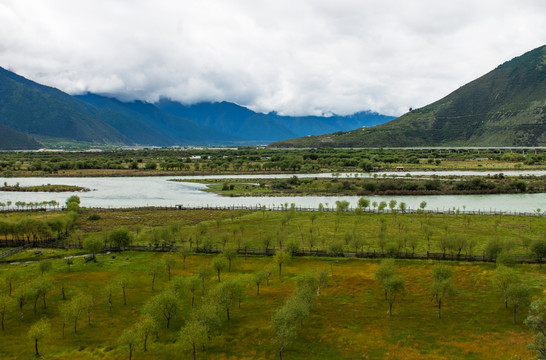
x=536, y=321
x=192, y=284
x=124, y=281
x=259, y=277
x=94, y=245
x=194, y=334
x=280, y=258
x=363, y=203
x=219, y=263
x=502, y=278
x=394, y=286
x=120, y=238
x=129, y=337
x=163, y=306
x=154, y=270
x=442, y=285
x=520, y=295
x=38, y=331
x=45, y=266
x=6, y=304
x=146, y=326
x=284, y=327
x=170, y=262
x=230, y=253
x=184, y=253
x=538, y=249
x=384, y=271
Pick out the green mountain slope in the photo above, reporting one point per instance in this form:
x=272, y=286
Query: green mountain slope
x=506, y=107
x=34, y=109
x=14, y=140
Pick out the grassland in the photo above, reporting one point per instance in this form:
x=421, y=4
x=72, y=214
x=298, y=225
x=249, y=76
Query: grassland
x=349, y=320
x=321, y=229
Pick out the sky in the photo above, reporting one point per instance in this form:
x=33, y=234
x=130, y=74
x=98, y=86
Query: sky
x=296, y=57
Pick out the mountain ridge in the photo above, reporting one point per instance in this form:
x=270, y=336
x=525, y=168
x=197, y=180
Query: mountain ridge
x=505, y=107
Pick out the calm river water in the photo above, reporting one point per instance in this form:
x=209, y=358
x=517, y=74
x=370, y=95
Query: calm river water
x=122, y=192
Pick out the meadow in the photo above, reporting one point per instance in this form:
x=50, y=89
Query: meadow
x=348, y=320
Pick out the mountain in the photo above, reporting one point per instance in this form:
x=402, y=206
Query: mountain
x=14, y=140
x=258, y=127
x=38, y=110
x=505, y=107
x=165, y=128
x=52, y=116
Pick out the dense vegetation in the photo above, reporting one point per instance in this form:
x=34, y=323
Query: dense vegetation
x=502, y=108
x=497, y=184
x=256, y=160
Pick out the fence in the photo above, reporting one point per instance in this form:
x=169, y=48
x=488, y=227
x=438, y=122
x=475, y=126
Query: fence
x=272, y=251
x=448, y=211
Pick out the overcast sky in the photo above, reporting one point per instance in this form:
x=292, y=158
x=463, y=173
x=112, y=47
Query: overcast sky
x=292, y=56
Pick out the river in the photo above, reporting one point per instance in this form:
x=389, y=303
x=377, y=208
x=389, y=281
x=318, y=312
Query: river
x=124, y=192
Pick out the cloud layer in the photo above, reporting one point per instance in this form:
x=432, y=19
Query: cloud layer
x=295, y=57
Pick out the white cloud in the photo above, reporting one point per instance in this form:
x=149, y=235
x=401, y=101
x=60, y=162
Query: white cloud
x=294, y=57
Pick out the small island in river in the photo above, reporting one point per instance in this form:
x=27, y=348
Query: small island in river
x=43, y=188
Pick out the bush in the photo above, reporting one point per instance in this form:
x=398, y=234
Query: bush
x=94, y=217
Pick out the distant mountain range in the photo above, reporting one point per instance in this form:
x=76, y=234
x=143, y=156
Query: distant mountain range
x=506, y=107
x=31, y=113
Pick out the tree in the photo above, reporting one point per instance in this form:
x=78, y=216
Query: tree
x=162, y=306
x=44, y=266
x=230, y=253
x=21, y=296
x=10, y=277
x=280, y=258
x=69, y=261
x=226, y=293
x=120, y=238
x=504, y=277
x=284, y=327
x=394, y=286
x=192, y=284
x=392, y=205
x=145, y=326
x=194, y=333
x=184, y=253
x=129, y=337
x=538, y=248
x=363, y=203
x=219, y=263
x=94, y=245
x=203, y=273
x=520, y=295
x=536, y=321
x=38, y=331
x=259, y=277
x=6, y=303
x=442, y=285
x=39, y=288
x=169, y=262
x=384, y=271
x=124, y=281
x=72, y=310
x=154, y=270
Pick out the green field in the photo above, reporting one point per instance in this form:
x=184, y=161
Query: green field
x=348, y=320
